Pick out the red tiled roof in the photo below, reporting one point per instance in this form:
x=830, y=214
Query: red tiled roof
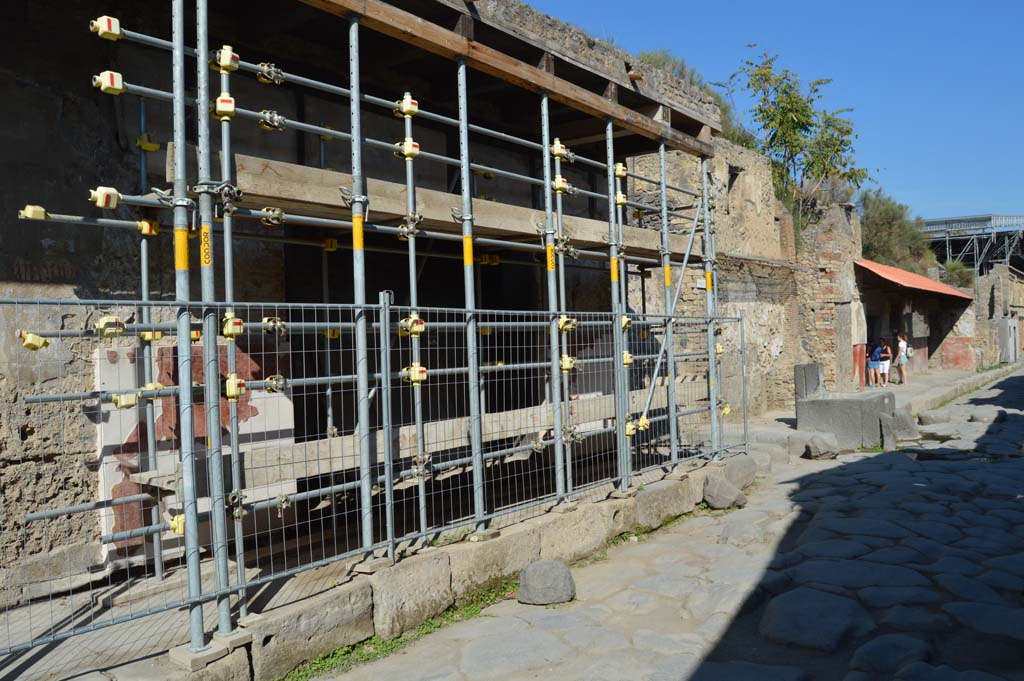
x=910, y=280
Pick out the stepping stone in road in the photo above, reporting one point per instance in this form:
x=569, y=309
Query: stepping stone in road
x=888, y=596
x=856, y=574
x=919, y=671
x=989, y=619
x=814, y=619
x=906, y=618
x=745, y=671
x=967, y=589
x=885, y=654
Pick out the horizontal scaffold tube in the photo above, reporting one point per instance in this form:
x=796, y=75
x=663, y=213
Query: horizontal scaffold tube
x=84, y=508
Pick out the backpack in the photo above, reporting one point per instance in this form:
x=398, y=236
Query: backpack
x=910, y=351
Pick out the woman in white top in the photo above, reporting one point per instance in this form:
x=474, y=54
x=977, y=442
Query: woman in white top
x=902, y=359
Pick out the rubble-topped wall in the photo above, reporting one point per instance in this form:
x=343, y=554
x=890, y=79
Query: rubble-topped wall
x=573, y=45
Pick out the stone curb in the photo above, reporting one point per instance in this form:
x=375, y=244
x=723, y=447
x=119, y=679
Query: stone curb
x=934, y=398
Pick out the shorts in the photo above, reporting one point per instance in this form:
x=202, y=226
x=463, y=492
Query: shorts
x=884, y=366
x=873, y=365
x=904, y=361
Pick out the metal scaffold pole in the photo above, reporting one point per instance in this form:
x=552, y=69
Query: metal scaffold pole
x=211, y=362
x=472, y=359
x=359, y=201
x=145, y=314
x=554, y=381
x=227, y=178
x=566, y=415
x=622, y=445
x=670, y=308
x=407, y=110
x=709, y=301
x=181, y=275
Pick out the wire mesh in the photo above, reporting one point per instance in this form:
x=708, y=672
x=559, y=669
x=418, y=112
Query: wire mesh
x=107, y=546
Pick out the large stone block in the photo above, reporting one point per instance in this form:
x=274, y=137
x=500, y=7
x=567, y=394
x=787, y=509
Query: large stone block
x=808, y=381
x=853, y=418
x=233, y=667
x=285, y=637
x=474, y=564
x=664, y=500
x=740, y=470
x=410, y=592
x=581, y=533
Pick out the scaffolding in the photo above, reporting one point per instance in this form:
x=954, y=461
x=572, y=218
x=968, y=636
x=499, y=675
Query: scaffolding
x=980, y=241
x=381, y=418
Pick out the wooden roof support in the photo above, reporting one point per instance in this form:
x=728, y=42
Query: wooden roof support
x=407, y=27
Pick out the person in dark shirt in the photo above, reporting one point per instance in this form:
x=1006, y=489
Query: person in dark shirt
x=874, y=356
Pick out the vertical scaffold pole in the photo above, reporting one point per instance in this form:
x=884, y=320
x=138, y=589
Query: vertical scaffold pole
x=666, y=254
x=181, y=292
x=554, y=382
x=211, y=363
x=472, y=358
x=359, y=201
x=709, y=301
x=226, y=175
x=566, y=417
x=386, y=422
x=325, y=287
x=422, y=460
x=147, y=355
x=621, y=445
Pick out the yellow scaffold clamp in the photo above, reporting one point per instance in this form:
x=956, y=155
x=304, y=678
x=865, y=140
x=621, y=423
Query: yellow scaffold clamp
x=234, y=387
x=620, y=199
x=332, y=334
x=224, y=106
x=486, y=330
x=643, y=423
x=567, y=323
x=153, y=386
x=108, y=28
x=406, y=107
x=415, y=373
x=627, y=358
x=33, y=213
x=148, y=227
x=560, y=185
x=412, y=326
x=233, y=327
x=125, y=400
x=275, y=325
x=275, y=383
x=104, y=197
x=627, y=323
x=109, y=82
x=109, y=326
x=329, y=245
x=146, y=142
x=407, y=149
x=226, y=59
x=630, y=429
x=726, y=409
x=487, y=259
x=151, y=336
x=567, y=363
x=195, y=335
x=274, y=217
x=271, y=121
x=719, y=349
x=177, y=524
x=32, y=341
x=620, y=171
x=560, y=151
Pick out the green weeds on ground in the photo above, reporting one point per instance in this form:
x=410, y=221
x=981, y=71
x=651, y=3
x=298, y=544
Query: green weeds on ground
x=344, y=659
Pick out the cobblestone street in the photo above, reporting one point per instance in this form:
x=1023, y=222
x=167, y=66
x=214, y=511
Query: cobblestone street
x=904, y=565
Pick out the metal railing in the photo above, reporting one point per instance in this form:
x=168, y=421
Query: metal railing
x=297, y=492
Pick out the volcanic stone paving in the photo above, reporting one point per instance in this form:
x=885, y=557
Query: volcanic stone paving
x=872, y=567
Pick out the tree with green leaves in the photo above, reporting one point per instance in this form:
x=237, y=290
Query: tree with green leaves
x=891, y=236
x=811, y=148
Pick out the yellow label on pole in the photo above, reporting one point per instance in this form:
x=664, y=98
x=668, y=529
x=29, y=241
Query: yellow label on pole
x=206, y=246
x=668, y=275
x=181, y=248
x=551, y=257
x=708, y=279
x=615, y=270
x=467, y=251
x=357, y=232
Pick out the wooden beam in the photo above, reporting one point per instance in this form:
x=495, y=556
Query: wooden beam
x=407, y=27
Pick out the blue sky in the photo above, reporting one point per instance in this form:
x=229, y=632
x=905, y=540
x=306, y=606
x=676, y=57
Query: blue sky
x=937, y=87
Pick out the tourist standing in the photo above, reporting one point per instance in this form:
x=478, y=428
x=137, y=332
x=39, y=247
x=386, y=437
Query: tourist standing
x=885, y=365
x=902, y=357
